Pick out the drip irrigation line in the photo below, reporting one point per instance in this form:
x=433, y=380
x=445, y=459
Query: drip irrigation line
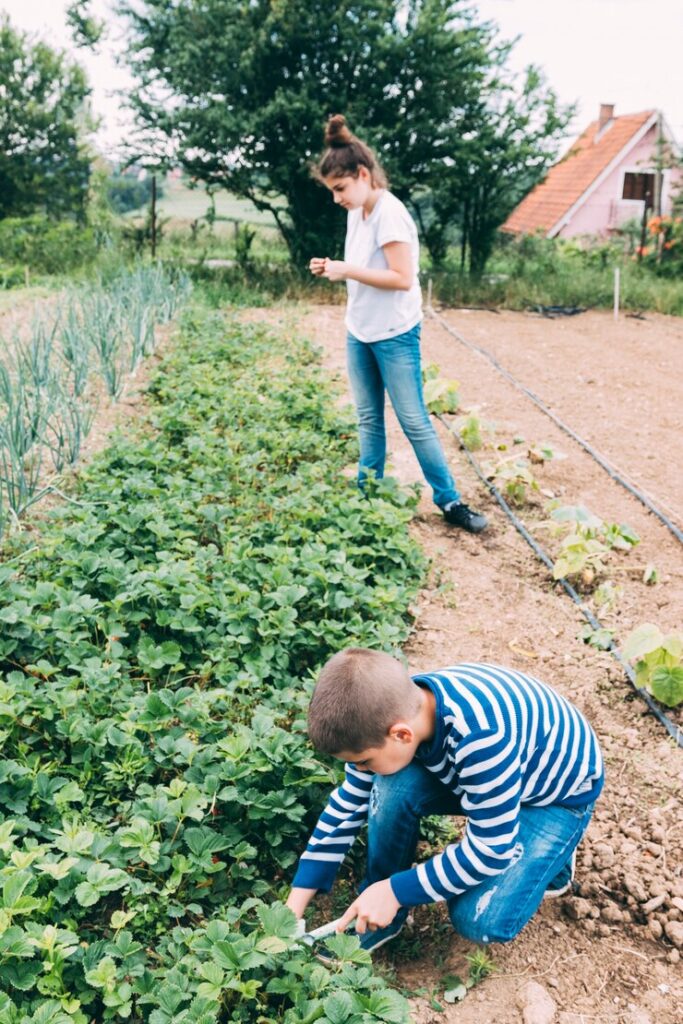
x=674, y=731
x=611, y=470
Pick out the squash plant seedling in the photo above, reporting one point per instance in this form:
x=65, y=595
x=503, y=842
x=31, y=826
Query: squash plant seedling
x=658, y=660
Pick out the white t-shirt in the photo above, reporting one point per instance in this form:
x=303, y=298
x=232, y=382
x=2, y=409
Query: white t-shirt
x=373, y=314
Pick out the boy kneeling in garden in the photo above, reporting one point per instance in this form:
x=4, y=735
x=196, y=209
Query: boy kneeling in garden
x=515, y=758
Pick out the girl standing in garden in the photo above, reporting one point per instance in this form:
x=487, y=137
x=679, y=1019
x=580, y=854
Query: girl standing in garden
x=383, y=315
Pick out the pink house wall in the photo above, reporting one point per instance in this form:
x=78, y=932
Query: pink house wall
x=604, y=208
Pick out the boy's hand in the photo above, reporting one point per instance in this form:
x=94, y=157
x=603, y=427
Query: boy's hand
x=376, y=907
x=317, y=265
x=298, y=900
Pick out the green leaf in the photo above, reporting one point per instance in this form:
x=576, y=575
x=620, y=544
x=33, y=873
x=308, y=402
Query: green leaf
x=642, y=641
x=277, y=920
x=339, y=1006
x=667, y=685
x=103, y=975
x=14, y=942
x=454, y=988
x=21, y=975
x=388, y=1006
x=347, y=949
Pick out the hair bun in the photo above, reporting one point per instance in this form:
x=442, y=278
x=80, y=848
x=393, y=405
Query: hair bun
x=337, y=132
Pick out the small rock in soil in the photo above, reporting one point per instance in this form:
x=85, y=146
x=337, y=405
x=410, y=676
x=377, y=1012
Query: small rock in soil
x=536, y=1004
x=639, y=1017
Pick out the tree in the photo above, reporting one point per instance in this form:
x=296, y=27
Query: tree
x=238, y=92
x=42, y=96
x=87, y=31
x=515, y=142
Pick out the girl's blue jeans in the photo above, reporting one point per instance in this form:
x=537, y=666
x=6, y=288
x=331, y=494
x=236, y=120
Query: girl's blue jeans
x=498, y=909
x=394, y=365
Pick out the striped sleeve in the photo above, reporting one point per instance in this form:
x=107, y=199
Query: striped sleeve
x=490, y=778
x=335, y=832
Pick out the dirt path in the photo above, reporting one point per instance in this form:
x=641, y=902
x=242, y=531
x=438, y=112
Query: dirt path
x=604, y=955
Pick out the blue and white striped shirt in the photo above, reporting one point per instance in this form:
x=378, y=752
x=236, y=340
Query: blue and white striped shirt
x=502, y=739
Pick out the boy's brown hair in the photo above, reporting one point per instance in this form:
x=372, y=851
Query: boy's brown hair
x=359, y=695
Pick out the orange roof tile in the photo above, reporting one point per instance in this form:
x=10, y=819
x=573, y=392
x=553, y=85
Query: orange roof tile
x=567, y=180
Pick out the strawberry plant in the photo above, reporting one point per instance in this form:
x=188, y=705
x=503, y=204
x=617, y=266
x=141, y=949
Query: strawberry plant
x=157, y=650
x=658, y=660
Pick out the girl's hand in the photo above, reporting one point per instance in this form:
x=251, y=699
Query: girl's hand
x=317, y=265
x=335, y=270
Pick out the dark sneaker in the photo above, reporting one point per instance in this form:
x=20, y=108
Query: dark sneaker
x=563, y=882
x=369, y=941
x=457, y=513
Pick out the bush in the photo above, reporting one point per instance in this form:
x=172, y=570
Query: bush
x=529, y=270
x=126, y=192
x=46, y=246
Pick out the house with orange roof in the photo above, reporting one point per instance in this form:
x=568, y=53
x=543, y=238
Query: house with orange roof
x=614, y=170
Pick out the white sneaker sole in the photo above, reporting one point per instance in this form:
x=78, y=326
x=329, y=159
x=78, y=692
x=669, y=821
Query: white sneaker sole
x=552, y=894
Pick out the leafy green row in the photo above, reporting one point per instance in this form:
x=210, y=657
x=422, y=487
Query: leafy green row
x=156, y=656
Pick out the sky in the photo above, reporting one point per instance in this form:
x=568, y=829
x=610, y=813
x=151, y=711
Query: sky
x=626, y=52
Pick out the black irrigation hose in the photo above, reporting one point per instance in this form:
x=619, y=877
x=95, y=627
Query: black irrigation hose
x=673, y=730
x=600, y=459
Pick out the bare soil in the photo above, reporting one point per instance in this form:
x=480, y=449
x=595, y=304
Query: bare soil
x=610, y=952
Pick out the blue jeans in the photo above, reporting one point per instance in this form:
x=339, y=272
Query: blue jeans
x=498, y=909
x=394, y=365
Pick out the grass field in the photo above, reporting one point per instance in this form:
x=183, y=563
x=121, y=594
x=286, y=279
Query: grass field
x=184, y=205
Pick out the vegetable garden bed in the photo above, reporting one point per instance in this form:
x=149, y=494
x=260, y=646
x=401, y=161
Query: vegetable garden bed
x=156, y=657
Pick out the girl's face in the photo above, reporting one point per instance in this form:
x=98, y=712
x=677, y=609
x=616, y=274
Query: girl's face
x=350, y=192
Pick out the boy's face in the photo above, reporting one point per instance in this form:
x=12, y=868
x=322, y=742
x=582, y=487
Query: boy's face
x=396, y=753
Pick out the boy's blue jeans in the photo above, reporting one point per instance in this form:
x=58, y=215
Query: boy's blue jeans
x=498, y=909
x=394, y=365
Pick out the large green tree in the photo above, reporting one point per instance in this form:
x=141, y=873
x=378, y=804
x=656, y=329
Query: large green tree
x=515, y=138
x=43, y=165
x=237, y=92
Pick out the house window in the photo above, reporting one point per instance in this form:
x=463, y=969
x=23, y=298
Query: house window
x=639, y=186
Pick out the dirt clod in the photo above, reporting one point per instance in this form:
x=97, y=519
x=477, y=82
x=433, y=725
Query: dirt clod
x=577, y=908
x=674, y=931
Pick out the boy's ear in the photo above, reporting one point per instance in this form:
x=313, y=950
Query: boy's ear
x=401, y=732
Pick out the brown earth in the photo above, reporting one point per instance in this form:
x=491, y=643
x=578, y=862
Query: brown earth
x=611, y=952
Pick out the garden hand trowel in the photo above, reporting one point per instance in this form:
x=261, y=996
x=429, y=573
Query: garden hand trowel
x=323, y=932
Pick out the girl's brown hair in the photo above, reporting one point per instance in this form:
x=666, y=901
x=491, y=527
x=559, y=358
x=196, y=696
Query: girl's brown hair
x=345, y=155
